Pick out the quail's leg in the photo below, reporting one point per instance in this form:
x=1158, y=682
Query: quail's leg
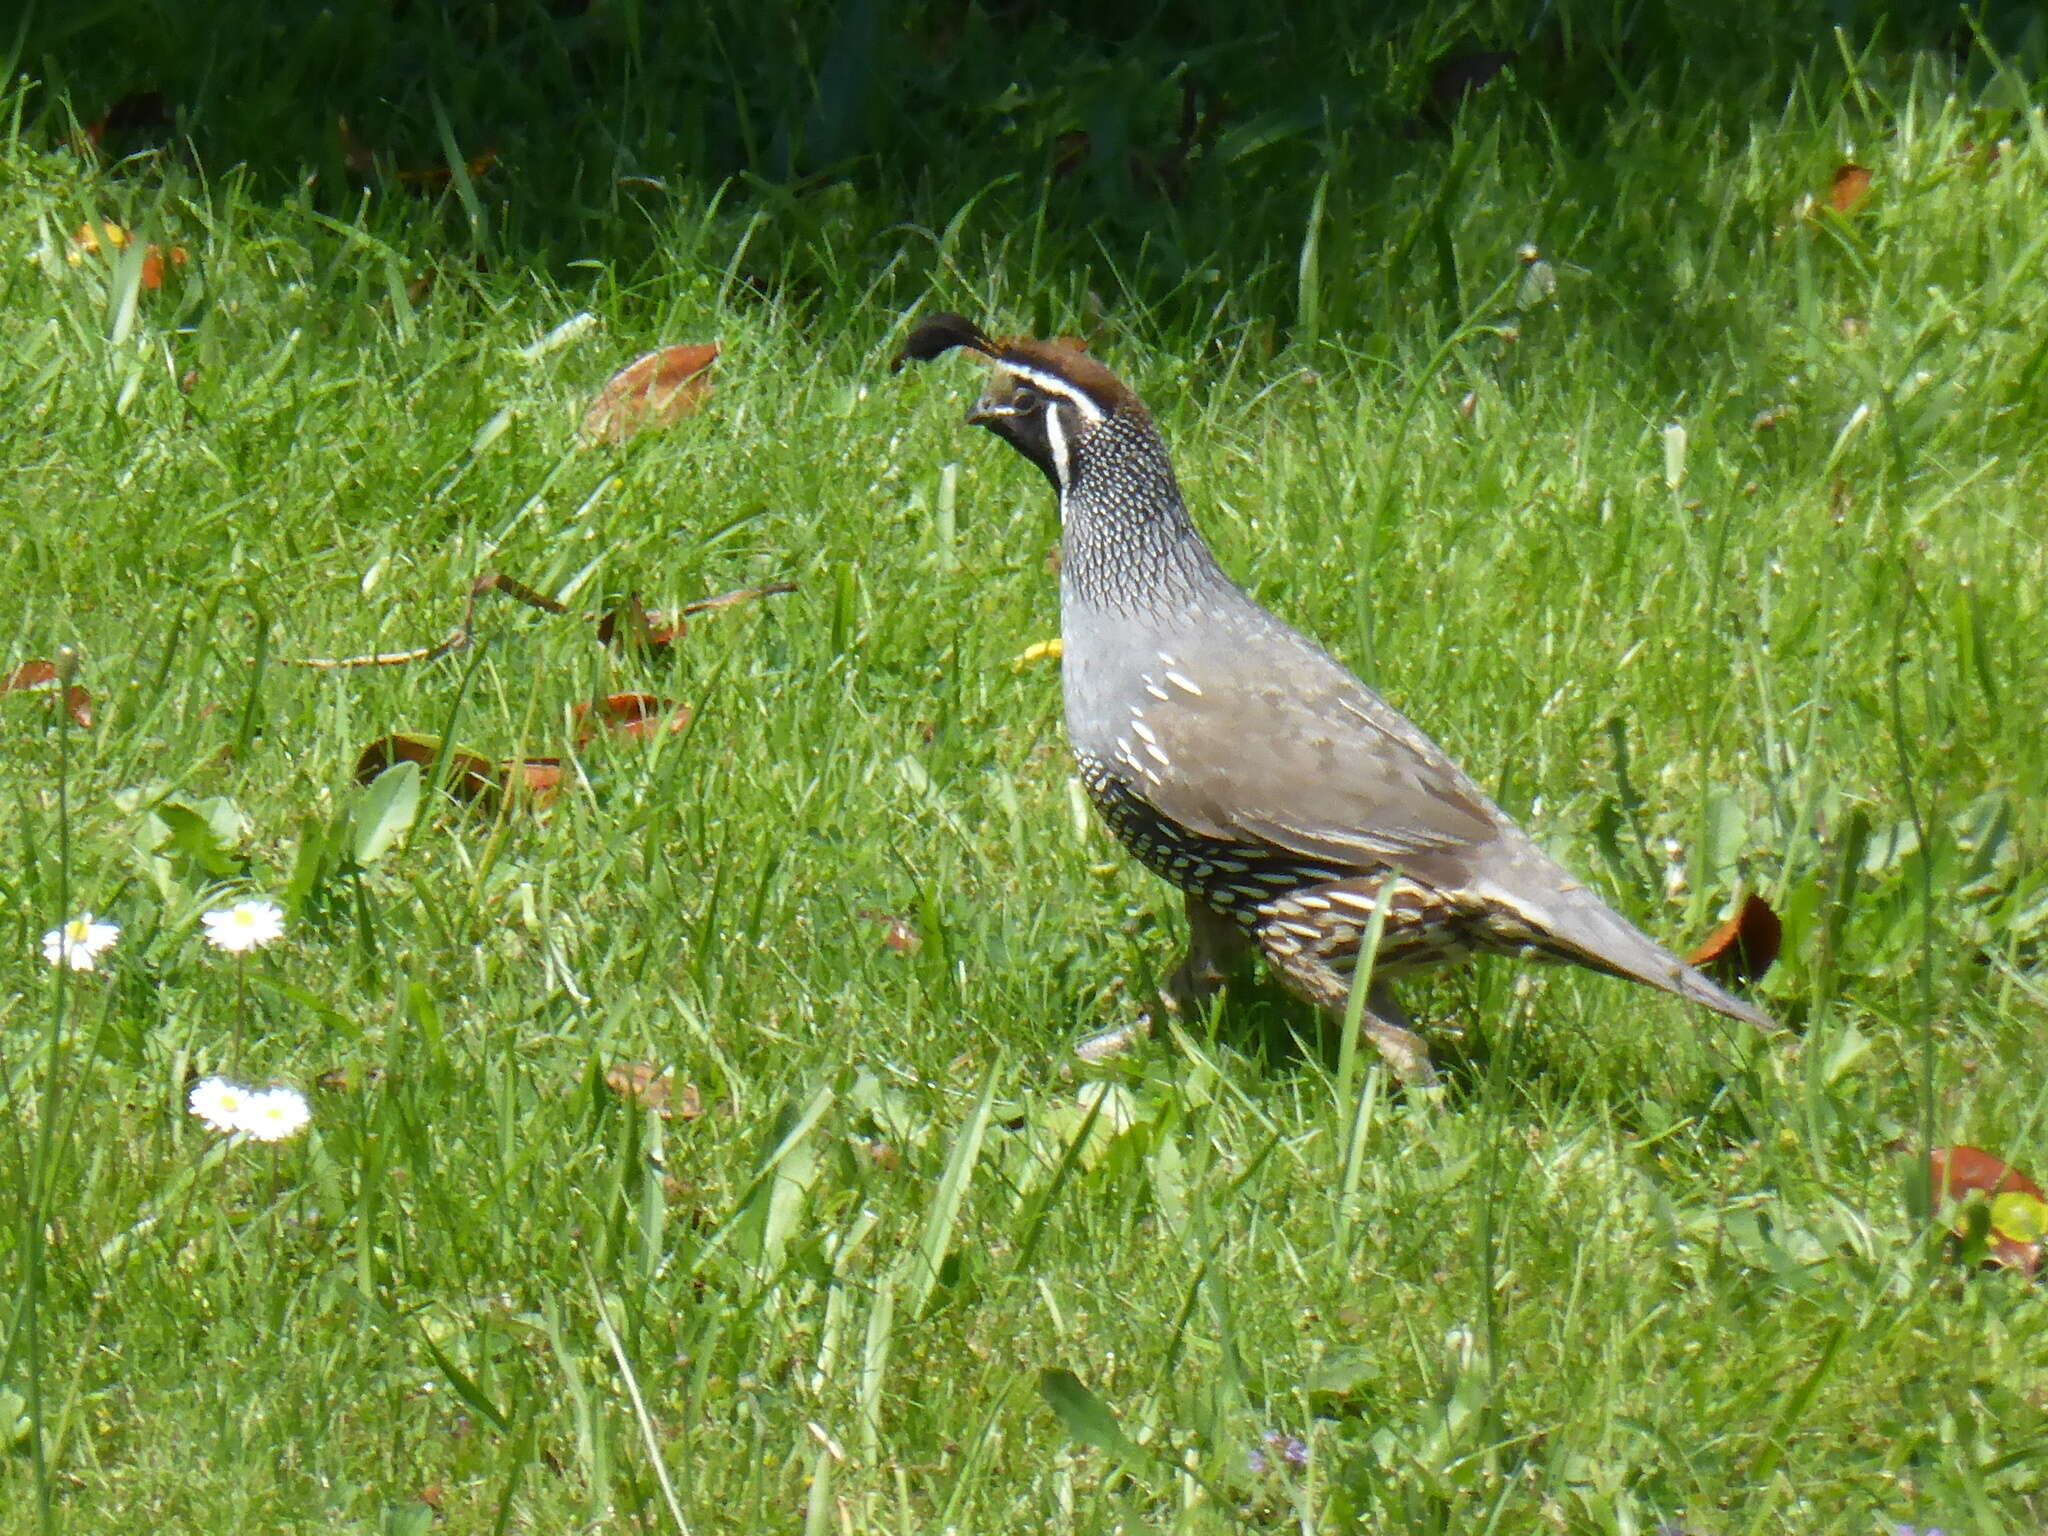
x=1217, y=947
x=1383, y=1022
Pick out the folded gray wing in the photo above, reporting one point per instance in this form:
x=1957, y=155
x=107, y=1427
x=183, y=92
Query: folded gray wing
x=1329, y=774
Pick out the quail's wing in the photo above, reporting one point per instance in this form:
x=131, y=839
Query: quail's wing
x=1318, y=767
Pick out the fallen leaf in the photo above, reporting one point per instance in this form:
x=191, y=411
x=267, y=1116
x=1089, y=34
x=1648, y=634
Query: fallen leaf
x=31, y=676
x=40, y=676
x=652, y=391
x=2018, y=1216
x=538, y=778
x=471, y=779
x=636, y=716
x=1743, y=947
x=651, y=1087
x=1960, y=1170
x=641, y=1083
x=1850, y=184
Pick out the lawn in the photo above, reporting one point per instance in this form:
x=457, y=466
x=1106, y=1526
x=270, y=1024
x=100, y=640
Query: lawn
x=696, y=1136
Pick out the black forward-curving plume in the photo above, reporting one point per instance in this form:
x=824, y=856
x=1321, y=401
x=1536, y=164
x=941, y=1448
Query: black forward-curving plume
x=1237, y=758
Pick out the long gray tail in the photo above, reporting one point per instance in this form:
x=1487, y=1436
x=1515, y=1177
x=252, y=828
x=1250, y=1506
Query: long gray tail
x=1582, y=928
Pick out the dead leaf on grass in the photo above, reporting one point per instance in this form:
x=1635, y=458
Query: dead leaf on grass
x=657, y=390
x=1743, y=947
x=635, y=716
x=471, y=779
x=37, y=676
x=40, y=676
x=1850, y=185
x=650, y=1087
x=539, y=779
x=2017, y=1220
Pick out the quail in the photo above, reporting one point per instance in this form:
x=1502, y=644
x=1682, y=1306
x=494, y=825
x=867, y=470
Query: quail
x=1237, y=758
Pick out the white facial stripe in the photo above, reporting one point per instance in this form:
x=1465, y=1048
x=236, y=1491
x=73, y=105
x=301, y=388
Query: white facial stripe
x=1056, y=439
x=1053, y=384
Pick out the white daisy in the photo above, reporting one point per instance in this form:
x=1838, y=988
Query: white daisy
x=79, y=942
x=223, y=1105
x=276, y=1115
x=244, y=926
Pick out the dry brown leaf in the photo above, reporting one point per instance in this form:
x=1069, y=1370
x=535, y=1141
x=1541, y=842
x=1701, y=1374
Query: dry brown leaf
x=471, y=779
x=652, y=391
x=655, y=1088
x=1743, y=947
x=1850, y=184
x=40, y=676
x=31, y=676
x=1954, y=1173
x=639, y=1082
x=539, y=779
x=636, y=716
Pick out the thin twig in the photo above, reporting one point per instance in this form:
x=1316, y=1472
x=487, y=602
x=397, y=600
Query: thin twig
x=457, y=639
x=740, y=595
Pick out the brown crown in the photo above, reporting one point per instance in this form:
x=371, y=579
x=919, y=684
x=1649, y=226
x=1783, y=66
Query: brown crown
x=938, y=334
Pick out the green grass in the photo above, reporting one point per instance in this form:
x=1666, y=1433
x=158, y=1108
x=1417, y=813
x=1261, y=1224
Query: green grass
x=1635, y=1267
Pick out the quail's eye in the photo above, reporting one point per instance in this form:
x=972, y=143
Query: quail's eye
x=1025, y=398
